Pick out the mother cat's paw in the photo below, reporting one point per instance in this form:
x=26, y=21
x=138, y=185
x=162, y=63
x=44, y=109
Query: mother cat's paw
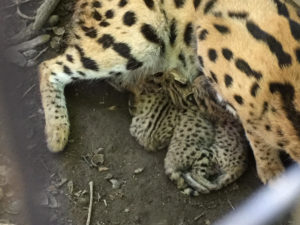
x=57, y=135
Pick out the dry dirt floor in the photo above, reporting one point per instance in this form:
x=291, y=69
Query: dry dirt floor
x=130, y=187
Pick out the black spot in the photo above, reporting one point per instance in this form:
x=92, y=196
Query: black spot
x=243, y=66
x=217, y=14
x=87, y=62
x=295, y=29
x=238, y=15
x=74, y=78
x=129, y=18
x=227, y=53
x=77, y=37
x=209, y=5
x=122, y=3
x=273, y=109
x=80, y=22
x=67, y=70
x=282, y=9
x=212, y=55
x=188, y=32
x=173, y=32
x=228, y=80
x=281, y=144
x=287, y=92
x=89, y=31
x=297, y=53
x=179, y=3
x=133, y=64
x=97, y=4
x=149, y=33
x=122, y=49
x=159, y=74
x=106, y=40
x=109, y=14
x=197, y=3
x=222, y=29
x=83, y=5
x=182, y=59
x=239, y=99
x=104, y=24
x=203, y=34
x=97, y=16
x=149, y=3
x=268, y=128
x=214, y=76
x=70, y=58
x=200, y=59
x=284, y=59
x=81, y=73
x=254, y=89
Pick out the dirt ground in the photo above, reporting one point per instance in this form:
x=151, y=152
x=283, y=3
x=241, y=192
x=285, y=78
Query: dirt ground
x=130, y=186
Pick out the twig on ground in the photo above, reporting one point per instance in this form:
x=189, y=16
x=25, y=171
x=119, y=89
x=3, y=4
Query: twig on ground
x=14, y=53
x=31, y=44
x=33, y=62
x=88, y=221
x=230, y=204
x=22, y=15
x=42, y=14
x=28, y=90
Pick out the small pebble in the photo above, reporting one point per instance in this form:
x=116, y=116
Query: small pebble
x=115, y=183
x=53, y=20
x=108, y=176
x=59, y=31
x=112, y=108
x=127, y=210
x=55, y=42
x=101, y=169
x=207, y=222
x=98, y=159
x=138, y=170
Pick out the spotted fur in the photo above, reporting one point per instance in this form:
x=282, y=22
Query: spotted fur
x=206, y=151
x=250, y=55
x=249, y=49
